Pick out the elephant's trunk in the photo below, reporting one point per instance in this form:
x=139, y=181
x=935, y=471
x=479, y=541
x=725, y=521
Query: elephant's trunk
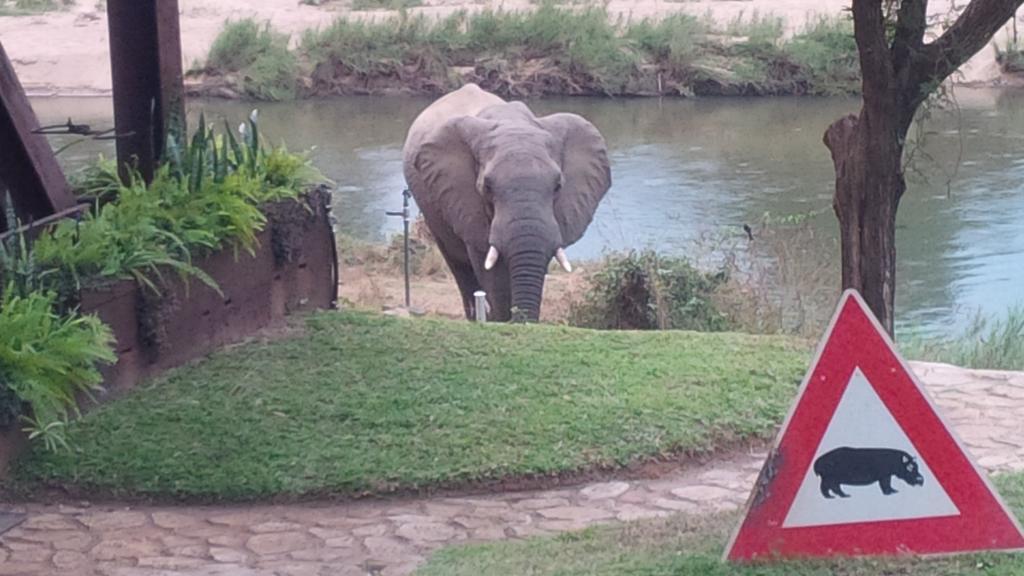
x=527, y=269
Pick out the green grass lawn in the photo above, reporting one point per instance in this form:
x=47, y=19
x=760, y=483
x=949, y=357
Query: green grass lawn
x=691, y=546
x=363, y=403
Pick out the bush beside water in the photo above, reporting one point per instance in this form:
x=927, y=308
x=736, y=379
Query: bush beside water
x=645, y=291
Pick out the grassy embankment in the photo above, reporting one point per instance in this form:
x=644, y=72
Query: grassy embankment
x=692, y=546
x=362, y=403
x=546, y=51
x=28, y=7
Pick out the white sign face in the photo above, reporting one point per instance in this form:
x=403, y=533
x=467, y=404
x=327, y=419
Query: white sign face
x=864, y=454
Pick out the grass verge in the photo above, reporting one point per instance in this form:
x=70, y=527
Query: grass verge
x=691, y=546
x=362, y=403
x=985, y=344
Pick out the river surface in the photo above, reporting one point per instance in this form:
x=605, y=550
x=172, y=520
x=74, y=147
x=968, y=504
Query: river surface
x=688, y=170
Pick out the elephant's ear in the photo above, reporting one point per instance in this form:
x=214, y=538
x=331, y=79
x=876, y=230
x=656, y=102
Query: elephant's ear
x=447, y=163
x=586, y=175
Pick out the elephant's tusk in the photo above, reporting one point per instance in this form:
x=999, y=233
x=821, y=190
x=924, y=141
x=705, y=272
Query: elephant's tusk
x=492, y=257
x=563, y=260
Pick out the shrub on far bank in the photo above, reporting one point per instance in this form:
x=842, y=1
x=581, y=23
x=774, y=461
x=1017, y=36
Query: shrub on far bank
x=1010, y=58
x=27, y=7
x=259, y=55
x=827, y=51
x=673, y=42
x=384, y=4
x=758, y=29
x=646, y=291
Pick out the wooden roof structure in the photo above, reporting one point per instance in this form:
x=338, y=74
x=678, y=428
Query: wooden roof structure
x=149, y=107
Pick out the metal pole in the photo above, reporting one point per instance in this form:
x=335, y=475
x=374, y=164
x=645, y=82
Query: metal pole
x=405, y=242
x=480, y=298
x=405, y=222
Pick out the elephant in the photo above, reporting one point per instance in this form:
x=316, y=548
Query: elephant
x=503, y=192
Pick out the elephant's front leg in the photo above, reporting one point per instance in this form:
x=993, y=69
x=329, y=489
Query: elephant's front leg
x=457, y=258
x=467, y=283
x=495, y=282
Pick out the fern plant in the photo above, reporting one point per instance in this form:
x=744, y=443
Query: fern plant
x=46, y=359
x=122, y=239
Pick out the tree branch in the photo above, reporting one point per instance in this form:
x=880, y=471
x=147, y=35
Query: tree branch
x=969, y=34
x=911, y=24
x=875, y=64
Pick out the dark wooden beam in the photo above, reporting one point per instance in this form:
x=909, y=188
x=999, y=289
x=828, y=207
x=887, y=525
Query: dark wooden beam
x=32, y=231
x=145, y=58
x=28, y=168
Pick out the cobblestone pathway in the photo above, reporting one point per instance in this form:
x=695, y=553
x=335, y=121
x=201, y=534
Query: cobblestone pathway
x=393, y=537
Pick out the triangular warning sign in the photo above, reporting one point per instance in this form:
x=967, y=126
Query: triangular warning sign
x=864, y=464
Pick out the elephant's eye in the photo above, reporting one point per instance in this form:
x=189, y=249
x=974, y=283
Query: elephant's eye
x=558, y=186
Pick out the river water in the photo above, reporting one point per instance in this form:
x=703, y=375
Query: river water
x=688, y=170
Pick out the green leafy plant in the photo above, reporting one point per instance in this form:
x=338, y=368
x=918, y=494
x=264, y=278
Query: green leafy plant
x=207, y=196
x=47, y=358
x=20, y=268
x=646, y=291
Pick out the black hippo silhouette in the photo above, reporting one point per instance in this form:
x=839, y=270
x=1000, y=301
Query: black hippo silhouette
x=865, y=466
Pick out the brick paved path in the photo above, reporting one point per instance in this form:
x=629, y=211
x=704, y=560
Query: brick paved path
x=393, y=537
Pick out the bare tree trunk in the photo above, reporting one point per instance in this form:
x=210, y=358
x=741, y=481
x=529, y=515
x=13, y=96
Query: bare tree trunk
x=898, y=73
x=869, y=184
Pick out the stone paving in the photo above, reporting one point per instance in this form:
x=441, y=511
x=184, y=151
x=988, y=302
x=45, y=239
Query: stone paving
x=389, y=537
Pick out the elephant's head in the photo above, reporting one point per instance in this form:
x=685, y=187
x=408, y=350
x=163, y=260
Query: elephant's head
x=518, y=189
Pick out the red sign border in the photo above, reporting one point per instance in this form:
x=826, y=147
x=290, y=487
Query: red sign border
x=984, y=523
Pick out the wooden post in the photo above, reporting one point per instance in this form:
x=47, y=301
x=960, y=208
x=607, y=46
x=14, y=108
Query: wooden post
x=145, y=59
x=28, y=168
